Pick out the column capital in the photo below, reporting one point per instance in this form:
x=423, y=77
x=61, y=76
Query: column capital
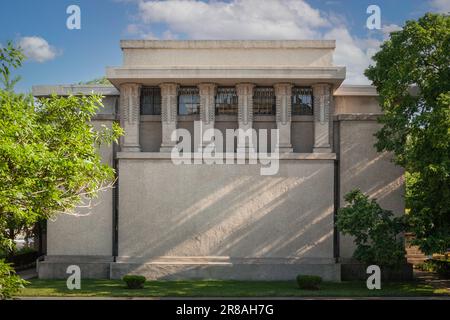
x=245, y=88
x=130, y=86
x=321, y=87
x=283, y=88
x=169, y=88
x=206, y=88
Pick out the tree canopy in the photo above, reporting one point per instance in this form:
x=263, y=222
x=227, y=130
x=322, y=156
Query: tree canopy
x=412, y=76
x=49, y=158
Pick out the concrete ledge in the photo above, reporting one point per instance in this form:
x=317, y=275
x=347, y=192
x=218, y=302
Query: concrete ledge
x=356, y=90
x=357, y=271
x=78, y=259
x=224, y=75
x=222, y=260
x=226, y=271
x=227, y=44
x=167, y=156
x=226, y=118
x=357, y=117
x=66, y=90
x=92, y=267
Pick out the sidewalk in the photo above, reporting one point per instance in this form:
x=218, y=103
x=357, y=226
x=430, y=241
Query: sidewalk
x=432, y=279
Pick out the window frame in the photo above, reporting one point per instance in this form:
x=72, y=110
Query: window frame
x=305, y=109
x=194, y=94
x=230, y=94
x=154, y=102
x=264, y=103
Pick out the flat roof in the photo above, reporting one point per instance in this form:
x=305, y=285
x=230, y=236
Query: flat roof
x=356, y=90
x=227, y=44
x=74, y=89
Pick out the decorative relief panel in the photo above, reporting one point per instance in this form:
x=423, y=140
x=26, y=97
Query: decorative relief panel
x=283, y=101
x=322, y=100
x=207, y=93
x=245, y=102
x=129, y=103
x=169, y=102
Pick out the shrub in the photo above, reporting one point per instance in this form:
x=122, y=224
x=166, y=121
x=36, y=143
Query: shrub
x=23, y=258
x=134, y=281
x=10, y=283
x=440, y=266
x=375, y=230
x=308, y=282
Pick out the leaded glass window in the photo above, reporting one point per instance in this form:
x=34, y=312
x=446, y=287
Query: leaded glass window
x=302, y=101
x=264, y=101
x=151, y=101
x=226, y=101
x=188, y=101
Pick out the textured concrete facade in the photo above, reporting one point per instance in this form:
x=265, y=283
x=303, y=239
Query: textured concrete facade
x=234, y=213
x=227, y=221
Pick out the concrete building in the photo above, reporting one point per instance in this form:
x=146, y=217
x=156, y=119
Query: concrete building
x=226, y=221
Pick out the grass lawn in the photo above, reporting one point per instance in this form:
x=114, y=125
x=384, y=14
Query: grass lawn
x=218, y=288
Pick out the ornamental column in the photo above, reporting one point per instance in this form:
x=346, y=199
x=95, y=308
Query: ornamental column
x=168, y=115
x=283, y=92
x=207, y=92
x=130, y=94
x=322, y=107
x=244, y=92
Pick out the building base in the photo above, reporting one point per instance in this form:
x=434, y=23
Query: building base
x=92, y=267
x=183, y=268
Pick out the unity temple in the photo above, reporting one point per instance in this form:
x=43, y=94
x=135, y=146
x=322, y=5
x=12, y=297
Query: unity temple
x=225, y=221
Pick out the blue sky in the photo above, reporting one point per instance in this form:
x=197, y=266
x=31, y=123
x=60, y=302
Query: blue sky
x=57, y=55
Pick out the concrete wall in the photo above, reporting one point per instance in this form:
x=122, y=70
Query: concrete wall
x=228, y=221
x=227, y=53
x=225, y=212
x=302, y=130
x=356, y=110
x=356, y=104
x=363, y=168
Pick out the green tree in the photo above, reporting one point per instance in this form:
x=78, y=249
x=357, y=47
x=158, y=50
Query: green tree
x=375, y=230
x=412, y=76
x=49, y=159
x=10, y=57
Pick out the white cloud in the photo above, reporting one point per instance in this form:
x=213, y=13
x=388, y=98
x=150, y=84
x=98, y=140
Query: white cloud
x=353, y=53
x=387, y=29
x=239, y=19
x=37, y=49
x=442, y=6
x=254, y=19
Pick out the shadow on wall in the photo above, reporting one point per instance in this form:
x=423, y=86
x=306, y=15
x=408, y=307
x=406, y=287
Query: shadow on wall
x=226, y=211
x=362, y=167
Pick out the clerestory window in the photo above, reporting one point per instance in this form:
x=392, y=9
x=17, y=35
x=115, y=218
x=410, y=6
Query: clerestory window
x=151, y=101
x=188, y=101
x=226, y=101
x=302, y=101
x=264, y=101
